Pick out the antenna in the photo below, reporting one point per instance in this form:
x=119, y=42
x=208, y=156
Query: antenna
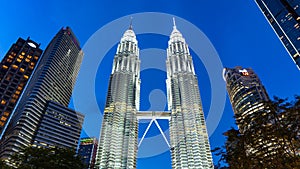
x=130, y=26
x=174, y=23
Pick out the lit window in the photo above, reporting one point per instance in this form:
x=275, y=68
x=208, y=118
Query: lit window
x=19, y=60
x=4, y=67
x=6, y=114
x=27, y=60
x=22, y=70
x=19, y=88
x=31, y=63
x=21, y=56
x=29, y=57
x=23, y=53
x=36, y=57
x=17, y=92
x=13, y=100
x=9, y=60
x=3, y=102
x=15, y=66
x=30, y=67
x=25, y=76
x=1, y=123
x=10, y=56
x=3, y=118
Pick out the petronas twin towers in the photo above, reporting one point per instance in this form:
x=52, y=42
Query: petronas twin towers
x=118, y=143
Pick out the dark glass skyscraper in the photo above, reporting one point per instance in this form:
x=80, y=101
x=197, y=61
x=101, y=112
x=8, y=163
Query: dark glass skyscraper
x=48, y=91
x=15, y=70
x=284, y=17
x=246, y=92
x=88, y=150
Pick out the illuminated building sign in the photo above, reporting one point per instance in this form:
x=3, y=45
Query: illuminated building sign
x=244, y=72
x=86, y=141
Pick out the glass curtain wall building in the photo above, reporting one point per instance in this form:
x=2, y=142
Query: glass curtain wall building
x=246, y=93
x=88, y=150
x=118, y=138
x=284, y=17
x=189, y=140
x=53, y=80
x=15, y=70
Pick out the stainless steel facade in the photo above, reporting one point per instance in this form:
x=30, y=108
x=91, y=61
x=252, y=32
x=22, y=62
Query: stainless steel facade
x=118, y=138
x=189, y=139
x=53, y=80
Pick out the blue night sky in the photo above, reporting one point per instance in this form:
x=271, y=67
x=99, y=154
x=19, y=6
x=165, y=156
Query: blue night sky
x=237, y=30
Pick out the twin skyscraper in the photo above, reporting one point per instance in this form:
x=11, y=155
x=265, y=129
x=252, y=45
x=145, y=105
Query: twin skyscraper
x=189, y=143
x=36, y=90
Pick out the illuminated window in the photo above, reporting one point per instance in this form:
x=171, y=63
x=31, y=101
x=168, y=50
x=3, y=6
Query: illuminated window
x=17, y=92
x=31, y=63
x=22, y=70
x=19, y=88
x=36, y=57
x=13, y=100
x=3, y=118
x=19, y=60
x=27, y=60
x=29, y=57
x=21, y=56
x=1, y=123
x=25, y=76
x=23, y=53
x=21, y=84
x=4, y=67
x=15, y=96
x=30, y=67
x=10, y=56
x=9, y=60
x=3, y=102
x=6, y=114
x=15, y=66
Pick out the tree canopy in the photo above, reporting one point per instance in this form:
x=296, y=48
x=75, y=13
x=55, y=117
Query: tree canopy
x=272, y=139
x=46, y=158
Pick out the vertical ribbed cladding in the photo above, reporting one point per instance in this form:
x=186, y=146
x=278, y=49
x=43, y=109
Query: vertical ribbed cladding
x=53, y=80
x=118, y=138
x=189, y=140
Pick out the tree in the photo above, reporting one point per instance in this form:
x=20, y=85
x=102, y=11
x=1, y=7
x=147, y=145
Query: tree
x=271, y=140
x=46, y=158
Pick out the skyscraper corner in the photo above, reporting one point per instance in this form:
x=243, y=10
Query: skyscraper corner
x=284, y=18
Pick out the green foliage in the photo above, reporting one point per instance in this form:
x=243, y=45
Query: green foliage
x=47, y=158
x=271, y=140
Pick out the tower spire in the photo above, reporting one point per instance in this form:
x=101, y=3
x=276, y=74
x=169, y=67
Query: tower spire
x=174, y=23
x=130, y=26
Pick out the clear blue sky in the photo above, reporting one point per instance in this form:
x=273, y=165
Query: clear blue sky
x=237, y=29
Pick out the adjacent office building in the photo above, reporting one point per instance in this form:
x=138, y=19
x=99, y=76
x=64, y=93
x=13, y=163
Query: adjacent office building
x=42, y=110
x=118, y=137
x=189, y=139
x=88, y=150
x=284, y=17
x=15, y=70
x=246, y=93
